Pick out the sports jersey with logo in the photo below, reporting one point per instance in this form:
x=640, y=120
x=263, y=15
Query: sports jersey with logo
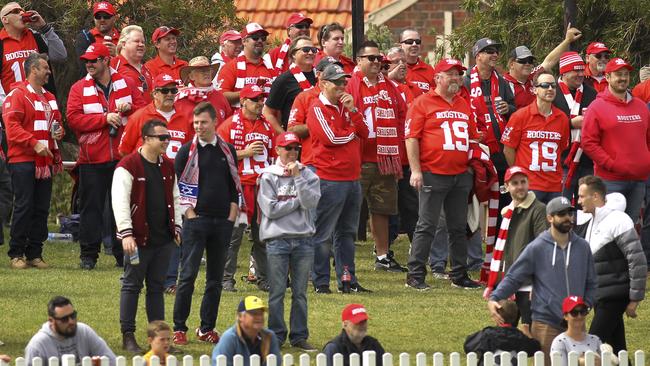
x=228, y=75
x=420, y=74
x=298, y=116
x=14, y=54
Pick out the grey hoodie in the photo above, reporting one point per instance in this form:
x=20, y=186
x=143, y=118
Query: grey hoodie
x=555, y=273
x=45, y=344
x=287, y=203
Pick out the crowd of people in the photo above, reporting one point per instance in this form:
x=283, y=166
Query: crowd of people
x=179, y=159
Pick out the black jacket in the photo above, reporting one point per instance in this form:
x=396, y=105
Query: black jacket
x=342, y=344
x=506, y=339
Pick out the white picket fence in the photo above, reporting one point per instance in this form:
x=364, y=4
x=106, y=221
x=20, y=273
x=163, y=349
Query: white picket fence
x=366, y=359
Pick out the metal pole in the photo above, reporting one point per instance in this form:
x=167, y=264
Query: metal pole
x=357, y=26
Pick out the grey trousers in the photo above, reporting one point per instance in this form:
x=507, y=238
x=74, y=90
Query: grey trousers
x=258, y=251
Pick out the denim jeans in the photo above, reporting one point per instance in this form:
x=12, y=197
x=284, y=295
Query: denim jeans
x=212, y=235
x=293, y=256
x=645, y=232
x=544, y=196
x=337, y=219
x=258, y=251
x=634, y=192
x=172, y=270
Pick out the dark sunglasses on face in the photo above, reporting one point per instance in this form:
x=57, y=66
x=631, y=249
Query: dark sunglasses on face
x=411, y=41
x=100, y=16
x=525, y=61
x=602, y=55
x=292, y=148
x=168, y=90
x=308, y=49
x=257, y=99
x=66, y=318
x=491, y=51
x=162, y=138
x=373, y=58
x=15, y=11
x=302, y=26
x=547, y=85
x=93, y=61
x=258, y=38
x=579, y=311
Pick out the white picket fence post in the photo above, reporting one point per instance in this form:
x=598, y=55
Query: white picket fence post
x=404, y=359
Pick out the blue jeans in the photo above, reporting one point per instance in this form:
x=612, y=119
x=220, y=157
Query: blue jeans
x=440, y=248
x=645, y=232
x=172, y=270
x=337, y=218
x=293, y=256
x=634, y=192
x=544, y=197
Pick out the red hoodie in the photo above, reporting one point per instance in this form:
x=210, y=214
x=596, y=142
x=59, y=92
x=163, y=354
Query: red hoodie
x=616, y=135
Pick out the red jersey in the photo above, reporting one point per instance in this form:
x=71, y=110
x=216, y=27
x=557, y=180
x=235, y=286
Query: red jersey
x=642, y=91
x=99, y=38
x=524, y=92
x=443, y=130
x=227, y=77
x=539, y=142
x=14, y=54
x=298, y=116
x=420, y=74
x=408, y=91
x=143, y=77
x=599, y=83
x=188, y=98
x=157, y=66
x=177, y=127
x=241, y=134
x=348, y=64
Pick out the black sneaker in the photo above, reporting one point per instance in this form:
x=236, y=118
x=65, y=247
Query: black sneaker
x=87, y=264
x=263, y=286
x=386, y=265
x=228, y=286
x=323, y=289
x=304, y=345
x=394, y=264
x=417, y=284
x=355, y=287
x=466, y=283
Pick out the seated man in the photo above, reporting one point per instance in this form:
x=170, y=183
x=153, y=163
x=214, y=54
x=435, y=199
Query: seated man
x=248, y=336
x=354, y=337
x=62, y=334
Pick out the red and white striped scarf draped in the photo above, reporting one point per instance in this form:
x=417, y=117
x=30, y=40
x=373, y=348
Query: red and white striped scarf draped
x=300, y=77
x=279, y=63
x=479, y=107
x=496, y=266
x=237, y=129
x=46, y=111
x=241, y=72
x=575, y=153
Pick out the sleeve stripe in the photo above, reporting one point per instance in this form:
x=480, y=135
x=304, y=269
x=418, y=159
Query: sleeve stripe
x=328, y=131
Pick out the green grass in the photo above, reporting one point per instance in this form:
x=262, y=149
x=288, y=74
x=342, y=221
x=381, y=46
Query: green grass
x=403, y=320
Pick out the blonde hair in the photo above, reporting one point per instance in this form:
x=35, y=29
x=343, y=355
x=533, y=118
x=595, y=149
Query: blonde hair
x=126, y=32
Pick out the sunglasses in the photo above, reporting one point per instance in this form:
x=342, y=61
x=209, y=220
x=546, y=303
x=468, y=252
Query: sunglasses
x=163, y=137
x=411, y=41
x=15, y=11
x=103, y=17
x=491, y=51
x=546, y=85
x=602, y=55
x=579, y=311
x=168, y=90
x=564, y=213
x=291, y=148
x=93, y=61
x=257, y=99
x=339, y=82
x=66, y=318
x=373, y=58
x=258, y=38
x=302, y=26
x=308, y=49
x=525, y=61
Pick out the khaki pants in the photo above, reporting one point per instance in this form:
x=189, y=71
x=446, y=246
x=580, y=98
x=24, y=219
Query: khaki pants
x=545, y=334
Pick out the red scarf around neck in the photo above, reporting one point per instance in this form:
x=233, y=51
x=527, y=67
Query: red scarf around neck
x=478, y=105
x=300, y=77
x=282, y=55
x=575, y=153
x=240, y=83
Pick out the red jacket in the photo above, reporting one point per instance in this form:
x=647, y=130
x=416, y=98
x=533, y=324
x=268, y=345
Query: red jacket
x=188, y=98
x=616, y=136
x=95, y=144
x=336, y=144
x=143, y=78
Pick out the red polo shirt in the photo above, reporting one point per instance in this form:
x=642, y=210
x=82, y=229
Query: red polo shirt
x=142, y=78
x=157, y=66
x=420, y=74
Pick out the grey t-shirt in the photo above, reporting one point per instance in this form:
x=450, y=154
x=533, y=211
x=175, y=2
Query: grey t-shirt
x=565, y=344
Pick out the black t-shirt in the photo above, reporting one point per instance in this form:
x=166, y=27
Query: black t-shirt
x=157, y=213
x=283, y=91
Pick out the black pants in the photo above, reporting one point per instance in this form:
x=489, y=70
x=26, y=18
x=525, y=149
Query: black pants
x=94, y=185
x=6, y=197
x=608, y=323
x=31, y=208
x=407, y=204
x=152, y=269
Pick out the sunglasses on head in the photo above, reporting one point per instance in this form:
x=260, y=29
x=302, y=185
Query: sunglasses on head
x=100, y=16
x=373, y=58
x=491, y=51
x=301, y=26
x=168, y=90
x=411, y=41
x=546, y=85
x=579, y=311
x=602, y=55
x=291, y=148
x=258, y=38
x=308, y=49
x=525, y=61
x=162, y=138
x=66, y=318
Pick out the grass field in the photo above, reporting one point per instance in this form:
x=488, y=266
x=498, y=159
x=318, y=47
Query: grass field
x=404, y=320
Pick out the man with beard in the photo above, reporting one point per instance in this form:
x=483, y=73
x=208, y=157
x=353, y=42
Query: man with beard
x=104, y=32
x=297, y=25
x=597, y=57
x=418, y=71
x=558, y=263
x=166, y=62
x=62, y=334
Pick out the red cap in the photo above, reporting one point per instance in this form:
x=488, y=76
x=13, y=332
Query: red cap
x=596, y=47
x=447, y=64
x=514, y=170
x=296, y=18
x=569, y=303
x=95, y=51
x=287, y=138
x=162, y=80
x=104, y=7
x=571, y=61
x=356, y=313
x=161, y=32
x=251, y=91
x=252, y=28
x=229, y=35
x=616, y=64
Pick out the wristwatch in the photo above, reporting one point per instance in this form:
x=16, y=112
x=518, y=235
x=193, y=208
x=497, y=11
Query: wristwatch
x=354, y=110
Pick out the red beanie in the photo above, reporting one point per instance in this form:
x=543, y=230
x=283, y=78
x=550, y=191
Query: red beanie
x=570, y=61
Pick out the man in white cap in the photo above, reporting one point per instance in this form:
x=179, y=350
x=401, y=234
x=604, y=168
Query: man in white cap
x=297, y=25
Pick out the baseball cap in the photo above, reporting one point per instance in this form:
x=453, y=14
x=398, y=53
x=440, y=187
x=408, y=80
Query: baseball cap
x=558, y=204
x=521, y=52
x=483, y=43
x=250, y=303
x=326, y=61
x=447, y=64
x=252, y=28
x=104, y=7
x=95, y=51
x=571, y=302
x=296, y=18
x=251, y=91
x=333, y=72
x=596, y=47
x=229, y=35
x=616, y=64
x=571, y=61
x=162, y=80
x=162, y=31
x=514, y=170
x=286, y=139
x=355, y=313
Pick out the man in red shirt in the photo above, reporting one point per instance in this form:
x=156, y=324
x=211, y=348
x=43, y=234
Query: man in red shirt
x=130, y=60
x=164, y=39
x=439, y=127
x=252, y=137
x=105, y=16
x=297, y=25
x=230, y=45
x=331, y=39
x=535, y=137
x=98, y=106
x=419, y=72
x=597, y=57
x=337, y=128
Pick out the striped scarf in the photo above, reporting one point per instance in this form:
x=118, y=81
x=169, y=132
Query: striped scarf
x=496, y=267
x=300, y=77
x=46, y=112
x=479, y=107
x=573, y=158
x=279, y=63
x=241, y=72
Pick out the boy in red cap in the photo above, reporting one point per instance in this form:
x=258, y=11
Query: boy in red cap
x=164, y=39
x=354, y=337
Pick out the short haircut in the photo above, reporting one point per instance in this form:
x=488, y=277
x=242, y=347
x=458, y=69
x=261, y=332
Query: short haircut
x=126, y=32
x=509, y=311
x=544, y=73
x=401, y=35
x=33, y=60
x=367, y=44
x=150, y=125
x=57, y=302
x=394, y=50
x=294, y=44
x=205, y=107
x=156, y=327
x=325, y=32
x=594, y=184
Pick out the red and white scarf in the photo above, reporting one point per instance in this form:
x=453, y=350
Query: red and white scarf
x=46, y=112
x=479, y=107
x=575, y=153
x=496, y=267
x=300, y=77
x=241, y=72
x=238, y=129
x=279, y=63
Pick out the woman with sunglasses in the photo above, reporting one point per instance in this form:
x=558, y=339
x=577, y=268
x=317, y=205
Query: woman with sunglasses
x=575, y=338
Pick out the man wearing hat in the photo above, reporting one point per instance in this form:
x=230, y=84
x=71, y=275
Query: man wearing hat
x=249, y=67
x=130, y=61
x=288, y=194
x=438, y=133
x=354, y=337
x=523, y=220
x=98, y=106
x=252, y=137
x=248, y=336
x=297, y=25
x=597, y=57
x=230, y=45
x=418, y=72
x=104, y=17
x=164, y=39
x=336, y=127
x=616, y=134
x=558, y=263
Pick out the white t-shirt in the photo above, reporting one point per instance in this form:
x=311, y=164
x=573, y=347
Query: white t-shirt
x=565, y=344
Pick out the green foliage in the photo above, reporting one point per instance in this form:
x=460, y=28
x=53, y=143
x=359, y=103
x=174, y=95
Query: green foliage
x=378, y=33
